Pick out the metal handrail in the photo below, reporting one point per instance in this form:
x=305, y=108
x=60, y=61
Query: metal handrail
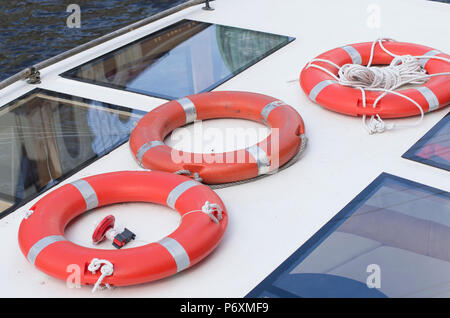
x=30, y=70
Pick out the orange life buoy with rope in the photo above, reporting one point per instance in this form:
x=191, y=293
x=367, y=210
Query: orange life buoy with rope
x=146, y=140
x=319, y=80
x=203, y=223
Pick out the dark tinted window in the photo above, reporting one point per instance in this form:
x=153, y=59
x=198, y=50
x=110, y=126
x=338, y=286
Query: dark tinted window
x=47, y=136
x=433, y=148
x=390, y=241
x=185, y=58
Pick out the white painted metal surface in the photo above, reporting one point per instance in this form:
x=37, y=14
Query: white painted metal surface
x=271, y=218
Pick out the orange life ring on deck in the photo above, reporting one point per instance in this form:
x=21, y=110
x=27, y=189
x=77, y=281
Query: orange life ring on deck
x=324, y=90
x=41, y=235
x=146, y=140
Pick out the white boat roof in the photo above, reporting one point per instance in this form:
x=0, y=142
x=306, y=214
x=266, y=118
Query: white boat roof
x=270, y=218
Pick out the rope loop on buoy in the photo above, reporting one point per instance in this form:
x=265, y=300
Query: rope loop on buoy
x=403, y=70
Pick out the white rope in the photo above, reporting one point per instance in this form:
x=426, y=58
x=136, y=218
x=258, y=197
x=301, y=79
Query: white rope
x=28, y=214
x=210, y=209
x=106, y=269
x=196, y=176
x=404, y=69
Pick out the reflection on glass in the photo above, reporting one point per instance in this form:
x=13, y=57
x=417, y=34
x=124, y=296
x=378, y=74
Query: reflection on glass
x=392, y=240
x=185, y=58
x=433, y=148
x=47, y=136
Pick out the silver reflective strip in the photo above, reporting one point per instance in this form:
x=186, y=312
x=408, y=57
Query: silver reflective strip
x=424, y=61
x=87, y=192
x=189, y=109
x=261, y=159
x=146, y=147
x=433, y=102
x=41, y=244
x=178, y=190
x=354, y=54
x=177, y=251
x=319, y=87
x=269, y=107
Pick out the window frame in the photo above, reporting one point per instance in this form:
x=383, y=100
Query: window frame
x=266, y=286
x=16, y=205
x=66, y=74
x=411, y=154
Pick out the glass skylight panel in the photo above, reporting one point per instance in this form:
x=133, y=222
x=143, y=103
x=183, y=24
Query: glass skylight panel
x=434, y=148
x=47, y=136
x=185, y=58
x=390, y=241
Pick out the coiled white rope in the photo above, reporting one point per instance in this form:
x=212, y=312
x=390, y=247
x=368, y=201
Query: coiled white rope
x=106, y=269
x=404, y=69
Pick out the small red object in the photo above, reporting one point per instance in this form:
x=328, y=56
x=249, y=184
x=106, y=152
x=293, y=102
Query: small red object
x=195, y=238
x=103, y=227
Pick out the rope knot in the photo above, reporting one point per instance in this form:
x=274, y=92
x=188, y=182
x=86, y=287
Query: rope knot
x=214, y=211
x=377, y=125
x=106, y=269
x=195, y=176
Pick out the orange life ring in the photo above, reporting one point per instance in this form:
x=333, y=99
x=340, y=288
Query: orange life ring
x=146, y=140
x=41, y=235
x=324, y=90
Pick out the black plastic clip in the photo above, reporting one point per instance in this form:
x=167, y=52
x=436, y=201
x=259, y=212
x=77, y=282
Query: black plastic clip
x=123, y=238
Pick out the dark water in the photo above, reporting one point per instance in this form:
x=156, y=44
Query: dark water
x=35, y=30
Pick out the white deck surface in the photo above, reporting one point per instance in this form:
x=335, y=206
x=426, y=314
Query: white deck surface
x=271, y=218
